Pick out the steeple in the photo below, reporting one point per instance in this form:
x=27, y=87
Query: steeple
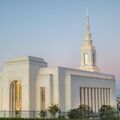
x=88, y=52
x=87, y=38
x=87, y=34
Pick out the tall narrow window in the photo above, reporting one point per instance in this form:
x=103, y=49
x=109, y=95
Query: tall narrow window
x=15, y=98
x=85, y=58
x=93, y=59
x=42, y=96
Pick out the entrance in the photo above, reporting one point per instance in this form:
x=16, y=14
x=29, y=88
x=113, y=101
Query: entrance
x=15, y=98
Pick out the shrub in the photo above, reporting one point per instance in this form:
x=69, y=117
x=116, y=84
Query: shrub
x=106, y=113
x=74, y=114
x=83, y=111
x=43, y=114
x=53, y=109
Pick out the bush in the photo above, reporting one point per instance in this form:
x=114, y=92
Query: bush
x=83, y=111
x=54, y=109
x=106, y=113
x=43, y=114
x=74, y=114
x=23, y=119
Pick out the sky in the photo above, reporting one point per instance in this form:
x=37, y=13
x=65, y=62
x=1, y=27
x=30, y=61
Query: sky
x=54, y=30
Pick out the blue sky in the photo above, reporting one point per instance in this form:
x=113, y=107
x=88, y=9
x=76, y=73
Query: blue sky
x=54, y=30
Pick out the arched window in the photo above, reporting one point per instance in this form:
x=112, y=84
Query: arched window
x=86, y=58
x=15, y=98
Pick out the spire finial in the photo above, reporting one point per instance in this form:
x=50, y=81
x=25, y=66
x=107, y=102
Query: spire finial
x=87, y=34
x=86, y=11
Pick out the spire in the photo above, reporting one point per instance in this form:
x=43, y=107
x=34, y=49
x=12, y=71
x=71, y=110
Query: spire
x=88, y=52
x=87, y=33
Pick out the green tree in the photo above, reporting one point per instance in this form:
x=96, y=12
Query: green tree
x=107, y=112
x=54, y=109
x=74, y=114
x=83, y=111
x=43, y=114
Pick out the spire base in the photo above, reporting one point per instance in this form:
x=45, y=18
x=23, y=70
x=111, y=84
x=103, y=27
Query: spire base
x=90, y=68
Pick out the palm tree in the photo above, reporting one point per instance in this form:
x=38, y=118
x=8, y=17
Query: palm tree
x=53, y=109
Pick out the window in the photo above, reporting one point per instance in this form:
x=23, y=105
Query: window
x=15, y=98
x=93, y=59
x=85, y=58
x=42, y=96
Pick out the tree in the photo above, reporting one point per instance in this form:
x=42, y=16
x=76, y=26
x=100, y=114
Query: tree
x=118, y=103
x=106, y=113
x=74, y=114
x=83, y=111
x=53, y=109
x=43, y=114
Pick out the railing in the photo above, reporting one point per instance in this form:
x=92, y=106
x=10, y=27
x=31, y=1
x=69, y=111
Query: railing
x=23, y=114
x=36, y=114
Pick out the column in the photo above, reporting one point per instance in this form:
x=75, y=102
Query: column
x=99, y=98
x=110, y=96
x=93, y=99
x=89, y=90
x=86, y=97
x=96, y=89
x=82, y=95
x=105, y=96
x=102, y=96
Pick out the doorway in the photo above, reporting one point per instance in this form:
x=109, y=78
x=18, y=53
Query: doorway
x=15, y=98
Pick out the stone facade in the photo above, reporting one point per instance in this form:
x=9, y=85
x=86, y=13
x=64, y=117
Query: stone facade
x=62, y=85
x=28, y=84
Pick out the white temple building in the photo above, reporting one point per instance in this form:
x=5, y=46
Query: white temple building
x=27, y=83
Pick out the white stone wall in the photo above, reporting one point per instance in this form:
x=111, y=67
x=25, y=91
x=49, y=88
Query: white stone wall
x=48, y=78
x=78, y=81
x=53, y=79
x=68, y=91
x=44, y=81
x=62, y=85
x=24, y=70
x=61, y=81
x=34, y=65
x=16, y=70
x=66, y=83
